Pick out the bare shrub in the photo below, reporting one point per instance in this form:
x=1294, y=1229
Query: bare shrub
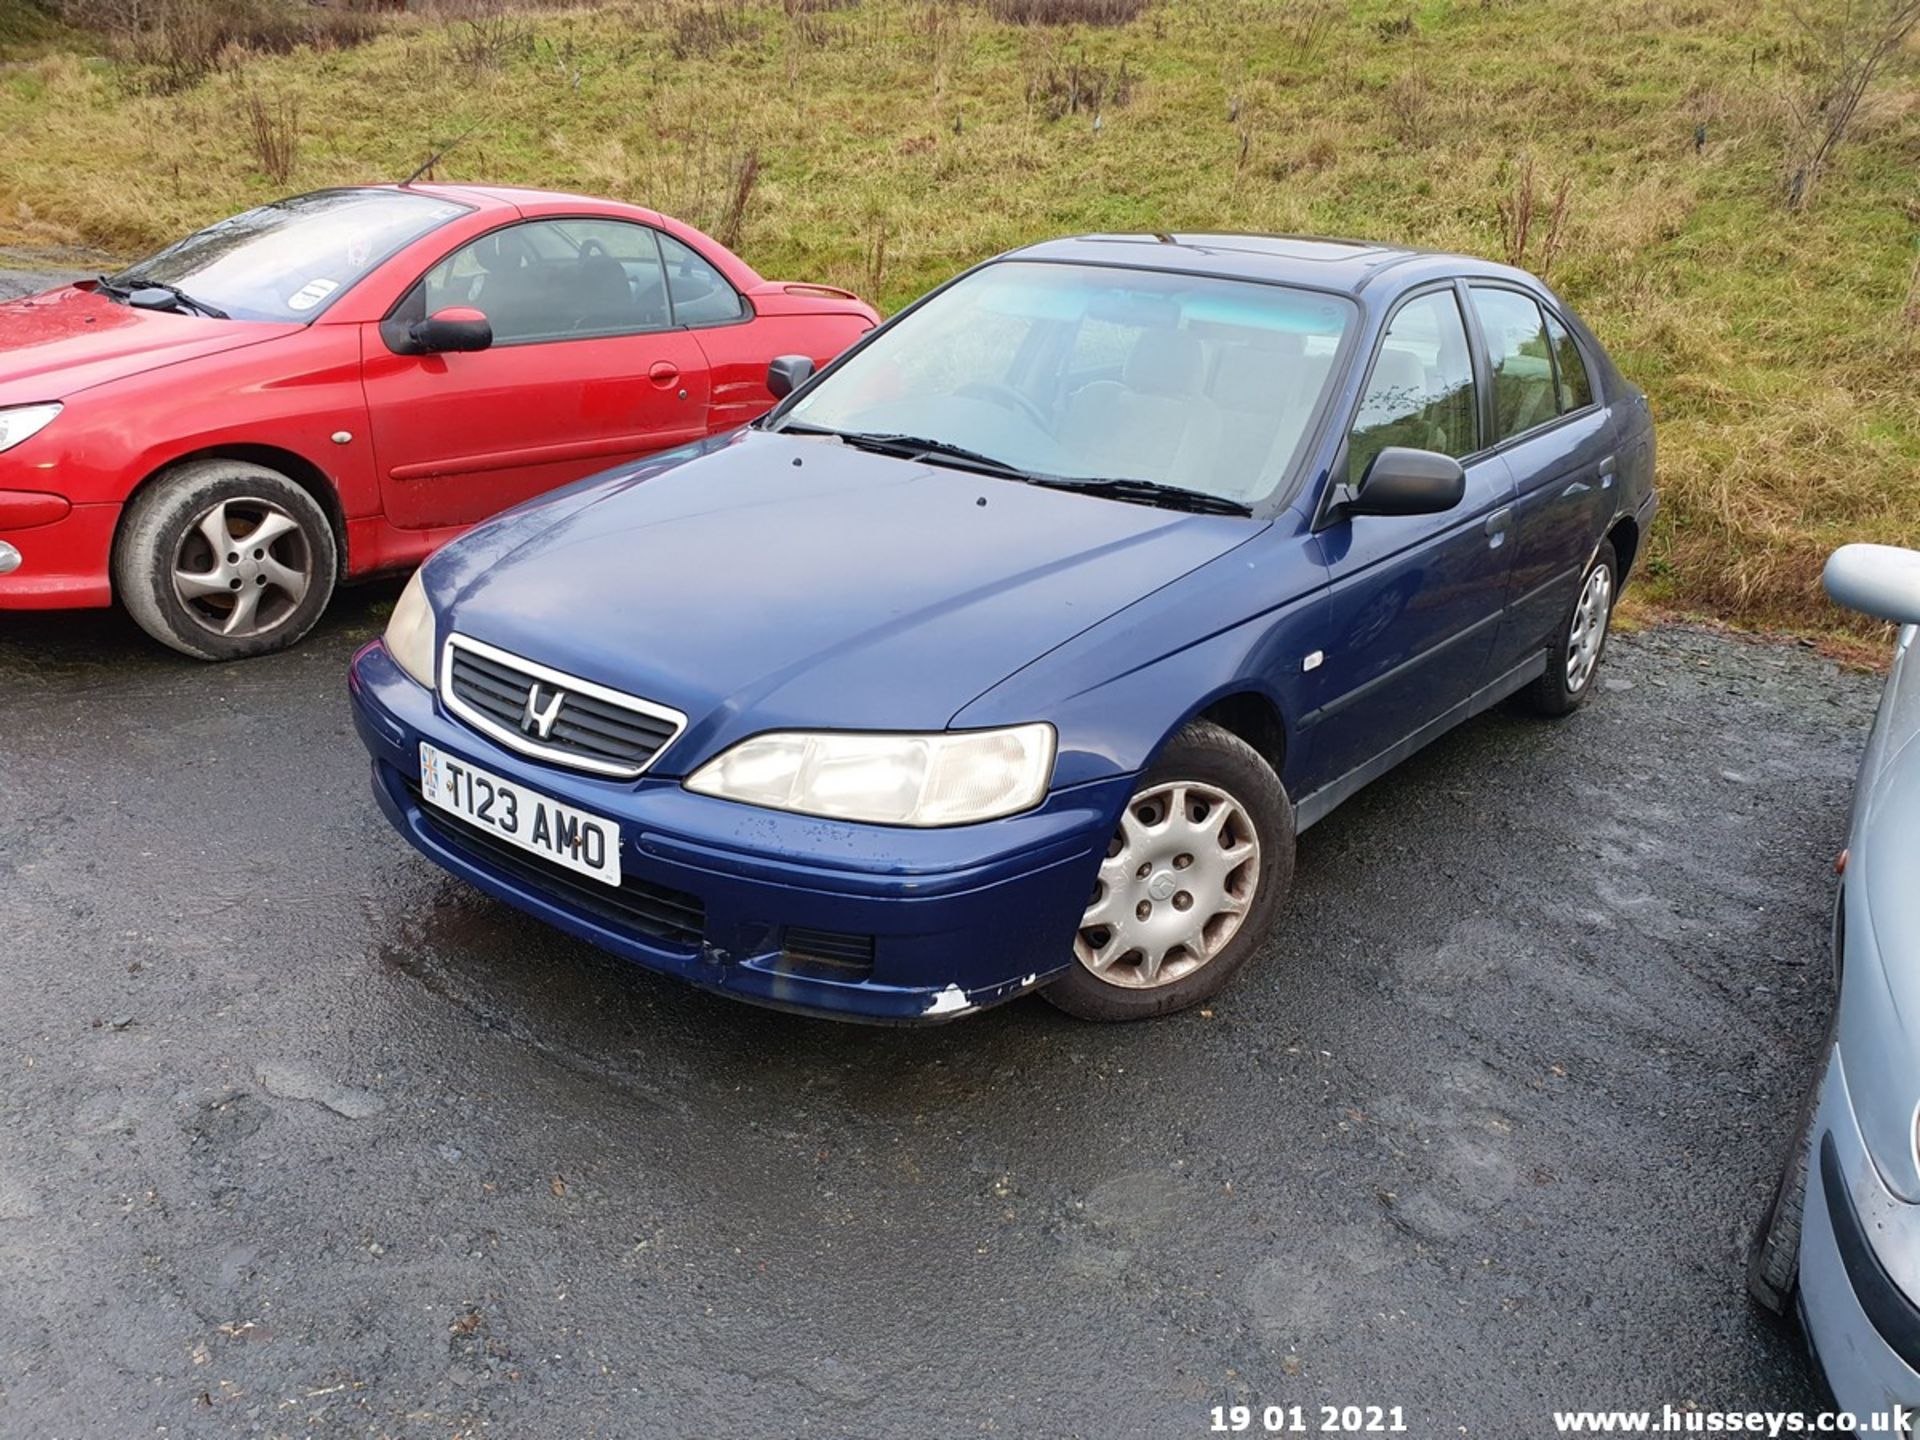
x=1842, y=47
x=695, y=172
x=1067, y=12
x=274, y=130
x=734, y=218
x=1075, y=85
x=701, y=30
x=874, y=260
x=1519, y=215
x=1910, y=310
x=488, y=36
x=182, y=40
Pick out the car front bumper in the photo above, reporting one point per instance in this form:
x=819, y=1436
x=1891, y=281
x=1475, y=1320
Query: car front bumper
x=919, y=925
x=63, y=564
x=1859, y=1265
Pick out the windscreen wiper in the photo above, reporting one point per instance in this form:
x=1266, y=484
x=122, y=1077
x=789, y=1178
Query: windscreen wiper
x=1148, y=492
x=919, y=447
x=133, y=292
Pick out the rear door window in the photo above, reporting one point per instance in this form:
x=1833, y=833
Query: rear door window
x=1576, y=387
x=701, y=294
x=1523, y=382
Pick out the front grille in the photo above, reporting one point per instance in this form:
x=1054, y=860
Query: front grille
x=593, y=728
x=830, y=950
x=655, y=910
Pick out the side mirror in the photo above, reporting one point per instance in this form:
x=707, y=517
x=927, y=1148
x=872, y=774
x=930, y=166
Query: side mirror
x=1401, y=481
x=787, y=373
x=452, y=330
x=1878, y=580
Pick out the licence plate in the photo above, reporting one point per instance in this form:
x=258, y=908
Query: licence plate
x=523, y=817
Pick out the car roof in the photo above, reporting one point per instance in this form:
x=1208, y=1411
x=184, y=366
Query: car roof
x=1319, y=262
x=513, y=197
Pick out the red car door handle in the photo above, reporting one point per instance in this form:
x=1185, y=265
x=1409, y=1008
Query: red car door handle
x=663, y=373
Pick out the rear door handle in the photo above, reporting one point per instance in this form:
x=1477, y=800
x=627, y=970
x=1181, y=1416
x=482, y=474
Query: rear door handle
x=1607, y=467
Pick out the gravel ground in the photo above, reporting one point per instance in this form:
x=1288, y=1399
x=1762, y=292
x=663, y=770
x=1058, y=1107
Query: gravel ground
x=300, y=1137
x=14, y=283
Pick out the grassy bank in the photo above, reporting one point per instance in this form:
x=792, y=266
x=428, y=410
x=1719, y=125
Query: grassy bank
x=885, y=143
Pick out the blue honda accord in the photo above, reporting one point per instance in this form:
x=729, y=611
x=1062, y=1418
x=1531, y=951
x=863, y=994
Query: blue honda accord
x=1014, y=650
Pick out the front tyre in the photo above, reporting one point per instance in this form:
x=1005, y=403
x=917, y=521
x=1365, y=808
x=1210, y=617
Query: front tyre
x=1582, y=641
x=1193, y=877
x=223, y=559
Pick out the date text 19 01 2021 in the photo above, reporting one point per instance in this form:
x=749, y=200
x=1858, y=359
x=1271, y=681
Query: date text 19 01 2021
x=1309, y=1419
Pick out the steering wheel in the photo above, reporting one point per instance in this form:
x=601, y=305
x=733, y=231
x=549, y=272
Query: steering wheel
x=1007, y=398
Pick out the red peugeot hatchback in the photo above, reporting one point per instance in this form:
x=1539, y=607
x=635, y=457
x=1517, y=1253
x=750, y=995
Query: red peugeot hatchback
x=334, y=385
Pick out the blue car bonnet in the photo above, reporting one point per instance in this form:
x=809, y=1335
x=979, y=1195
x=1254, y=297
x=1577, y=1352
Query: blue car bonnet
x=775, y=581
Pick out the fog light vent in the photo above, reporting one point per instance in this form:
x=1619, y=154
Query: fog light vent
x=829, y=950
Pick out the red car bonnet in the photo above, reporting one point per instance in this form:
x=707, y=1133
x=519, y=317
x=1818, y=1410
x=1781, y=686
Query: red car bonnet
x=71, y=339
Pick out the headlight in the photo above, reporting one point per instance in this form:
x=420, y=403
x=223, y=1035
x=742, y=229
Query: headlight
x=24, y=420
x=410, y=632
x=949, y=778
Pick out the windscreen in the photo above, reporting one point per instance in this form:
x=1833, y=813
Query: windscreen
x=292, y=259
x=1094, y=372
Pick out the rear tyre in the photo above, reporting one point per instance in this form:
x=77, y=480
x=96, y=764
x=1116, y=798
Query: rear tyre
x=1583, y=640
x=1193, y=877
x=222, y=559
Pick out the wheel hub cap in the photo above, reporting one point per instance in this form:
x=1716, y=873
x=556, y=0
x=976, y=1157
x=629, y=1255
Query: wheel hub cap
x=1177, y=883
x=1589, y=629
x=243, y=567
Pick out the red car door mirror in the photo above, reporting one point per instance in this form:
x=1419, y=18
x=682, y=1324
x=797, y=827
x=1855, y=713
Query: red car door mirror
x=451, y=330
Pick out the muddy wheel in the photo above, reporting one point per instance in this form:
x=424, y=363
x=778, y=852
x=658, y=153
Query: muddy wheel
x=222, y=559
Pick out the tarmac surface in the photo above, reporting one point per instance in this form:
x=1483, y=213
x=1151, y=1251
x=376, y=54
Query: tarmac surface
x=301, y=1137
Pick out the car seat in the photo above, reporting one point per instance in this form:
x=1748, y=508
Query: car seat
x=1154, y=422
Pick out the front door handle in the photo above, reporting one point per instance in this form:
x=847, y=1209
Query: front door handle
x=663, y=373
x=1498, y=523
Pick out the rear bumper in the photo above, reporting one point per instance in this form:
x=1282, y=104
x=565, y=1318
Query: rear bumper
x=1859, y=1264
x=927, y=924
x=64, y=564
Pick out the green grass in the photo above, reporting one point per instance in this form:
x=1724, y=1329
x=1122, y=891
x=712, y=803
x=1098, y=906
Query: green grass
x=899, y=140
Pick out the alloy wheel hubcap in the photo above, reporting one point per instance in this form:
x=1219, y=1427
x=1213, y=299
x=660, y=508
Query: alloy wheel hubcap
x=1177, y=884
x=242, y=567
x=1589, y=628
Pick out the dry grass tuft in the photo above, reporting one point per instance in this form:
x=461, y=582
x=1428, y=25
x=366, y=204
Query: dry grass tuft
x=1307, y=25
x=703, y=30
x=1075, y=86
x=1067, y=12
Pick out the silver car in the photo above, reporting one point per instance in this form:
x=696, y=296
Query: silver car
x=1841, y=1239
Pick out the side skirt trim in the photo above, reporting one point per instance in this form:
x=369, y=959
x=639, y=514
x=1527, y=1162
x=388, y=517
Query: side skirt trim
x=1321, y=802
